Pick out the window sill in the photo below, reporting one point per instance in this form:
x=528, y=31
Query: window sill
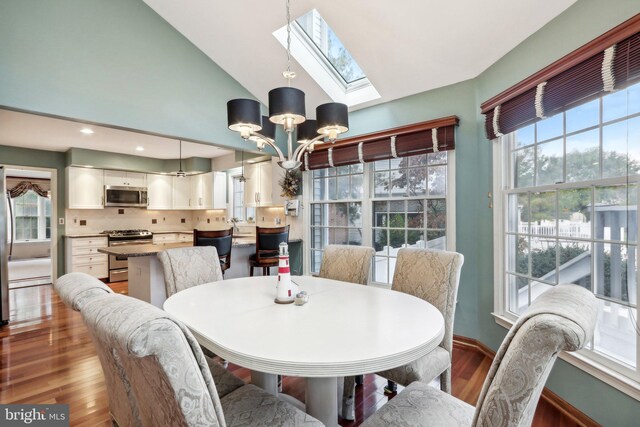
x=22, y=242
x=581, y=361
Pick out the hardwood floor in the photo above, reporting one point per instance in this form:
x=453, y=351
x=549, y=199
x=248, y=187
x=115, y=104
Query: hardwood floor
x=47, y=357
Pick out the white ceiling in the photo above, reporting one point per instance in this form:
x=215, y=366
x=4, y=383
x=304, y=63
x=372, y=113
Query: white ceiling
x=404, y=47
x=46, y=133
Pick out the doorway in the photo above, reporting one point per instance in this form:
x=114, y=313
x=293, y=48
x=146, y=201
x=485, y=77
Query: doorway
x=30, y=223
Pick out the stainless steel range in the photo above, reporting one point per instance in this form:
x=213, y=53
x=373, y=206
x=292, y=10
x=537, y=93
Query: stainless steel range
x=118, y=268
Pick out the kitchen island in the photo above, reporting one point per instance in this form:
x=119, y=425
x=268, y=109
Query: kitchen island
x=146, y=277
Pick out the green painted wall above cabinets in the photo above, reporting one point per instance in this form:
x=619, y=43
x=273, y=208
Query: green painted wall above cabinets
x=116, y=161
x=115, y=62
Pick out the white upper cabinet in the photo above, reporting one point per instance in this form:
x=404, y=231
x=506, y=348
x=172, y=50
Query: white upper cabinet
x=258, y=188
x=181, y=192
x=159, y=192
x=202, y=191
x=125, y=179
x=85, y=188
x=219, y=190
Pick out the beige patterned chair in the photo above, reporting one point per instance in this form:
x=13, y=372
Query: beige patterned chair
x=346, y=263
x=434, y=277
x=76, y=290
x=561, y=319
x=169, y=375
x=191, y=266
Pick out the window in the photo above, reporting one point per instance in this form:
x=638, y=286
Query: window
x=32, y=215
x=238, y=209
x=398, y=203
x=570, y=215
x=336, y=210
x=321, y=53
x=409, y=208
x=325, y=40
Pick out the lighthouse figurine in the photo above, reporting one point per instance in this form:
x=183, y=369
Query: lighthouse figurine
x=285, y=292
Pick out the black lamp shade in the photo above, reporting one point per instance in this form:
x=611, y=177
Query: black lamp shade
x=332, y=117
x=307, y=131
x=268, y=129
x=286, y=102
x=242, y=113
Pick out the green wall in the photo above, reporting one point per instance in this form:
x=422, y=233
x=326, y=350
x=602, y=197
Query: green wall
x=106, y=160
x=579, y=24
x=16, y=156
x=114, y=62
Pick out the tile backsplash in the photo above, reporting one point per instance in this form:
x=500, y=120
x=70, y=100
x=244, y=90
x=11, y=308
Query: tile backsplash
x=98, y=220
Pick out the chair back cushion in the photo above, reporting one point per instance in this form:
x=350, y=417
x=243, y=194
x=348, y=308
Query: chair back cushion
x=434, y=277
x=561, y=319
x=222, y=244
x=187, y=267
x=163, y=362
x=346, y=263
x=268, y=241
x=75, y=289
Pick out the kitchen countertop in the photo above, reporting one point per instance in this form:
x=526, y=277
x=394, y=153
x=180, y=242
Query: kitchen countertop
x=78, y=236
x=126, y=251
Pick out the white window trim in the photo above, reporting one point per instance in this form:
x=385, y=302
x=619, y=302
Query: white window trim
x=316, y=64
x=588, y=362
x=232, y=174
x=41, y=226
x=367, y=203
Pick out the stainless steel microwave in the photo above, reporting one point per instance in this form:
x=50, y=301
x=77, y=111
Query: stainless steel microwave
x=133, y=197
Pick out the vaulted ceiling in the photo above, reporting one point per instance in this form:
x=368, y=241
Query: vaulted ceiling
x=404, y=47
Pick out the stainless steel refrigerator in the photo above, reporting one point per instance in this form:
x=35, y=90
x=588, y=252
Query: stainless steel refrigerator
x=4, y=252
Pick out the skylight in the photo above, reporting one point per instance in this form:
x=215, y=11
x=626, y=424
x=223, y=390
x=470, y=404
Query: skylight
x=323, y=56
x=321, y=34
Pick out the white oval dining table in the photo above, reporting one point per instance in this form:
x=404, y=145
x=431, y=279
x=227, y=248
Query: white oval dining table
x=345, y=329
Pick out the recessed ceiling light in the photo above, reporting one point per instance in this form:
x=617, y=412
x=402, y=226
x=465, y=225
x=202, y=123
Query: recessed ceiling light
x=86, y=131
x=139, y=148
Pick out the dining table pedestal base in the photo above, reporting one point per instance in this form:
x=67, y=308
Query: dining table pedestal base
x=321, y=400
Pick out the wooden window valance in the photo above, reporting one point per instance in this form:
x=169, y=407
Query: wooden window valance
x=420, y=138
x=608, y=63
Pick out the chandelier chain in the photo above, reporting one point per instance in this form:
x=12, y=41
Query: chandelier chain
x=288, y=74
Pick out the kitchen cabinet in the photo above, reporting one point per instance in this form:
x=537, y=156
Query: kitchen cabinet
x=82, y=256
x=85, y=188
x=159, y=192
x=258, y=188
x=202, y=191
x=219, y=190
x=159, y=238
x=124, y=179
x=181, y=192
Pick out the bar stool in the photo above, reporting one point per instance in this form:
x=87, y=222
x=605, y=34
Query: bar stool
x=221, y=239
x=268, y=240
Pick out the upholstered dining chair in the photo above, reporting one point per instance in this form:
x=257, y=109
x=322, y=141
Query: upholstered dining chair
x=346, y=263
x=221, y=239
x=75, y=290
x=268, y=241
x=434, y=277
x=169, y=375
x=561, y=319
x=190, y=266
